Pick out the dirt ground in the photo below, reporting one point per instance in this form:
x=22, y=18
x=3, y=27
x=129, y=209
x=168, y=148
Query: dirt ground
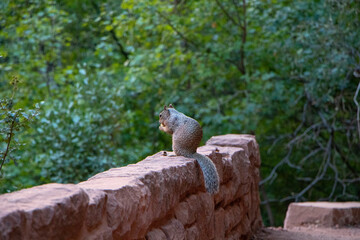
x=308, y=233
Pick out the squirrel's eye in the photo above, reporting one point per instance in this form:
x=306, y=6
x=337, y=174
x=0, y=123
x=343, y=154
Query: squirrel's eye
x=160, y=115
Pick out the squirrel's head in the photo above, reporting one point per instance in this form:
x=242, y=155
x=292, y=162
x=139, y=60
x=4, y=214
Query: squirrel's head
x=164, y=116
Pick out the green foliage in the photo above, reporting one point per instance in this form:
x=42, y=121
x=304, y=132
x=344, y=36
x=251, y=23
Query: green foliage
x=283, y=70
x=12, y=122
x=84, y=135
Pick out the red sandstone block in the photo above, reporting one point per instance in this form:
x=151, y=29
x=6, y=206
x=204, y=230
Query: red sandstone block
x=233, y=216
x=156, y=234
x=231, y=140
x=257, y=223
x=204, y=215
x=246, y=201
x=207, y=206
x=141, y=193
x=255, y=201
x=99, y=234
x=228, y=172
x=235, y=235
x=183, y=214
x=121, y=212
x=244, y=189
x=325, y=214
x=247, y=142
x=244, y=227
x=220, y=224
x=241, y=171
x=51, y=211
x=174, y=230
x=194, y=205
x=243, y=165
x=96, y=208
x=192, y=233
x=226, y=194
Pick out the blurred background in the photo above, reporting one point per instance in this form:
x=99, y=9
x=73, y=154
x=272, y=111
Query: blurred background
x=82, y=83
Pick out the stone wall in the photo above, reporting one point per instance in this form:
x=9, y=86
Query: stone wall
x=160, y=197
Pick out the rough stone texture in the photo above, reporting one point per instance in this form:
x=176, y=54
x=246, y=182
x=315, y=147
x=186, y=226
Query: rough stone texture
x=156, y=234
x=308, y=233
x=51, y=211
x=324, y=214
x=160, y=197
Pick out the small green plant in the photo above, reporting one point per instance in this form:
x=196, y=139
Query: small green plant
x=12, y=121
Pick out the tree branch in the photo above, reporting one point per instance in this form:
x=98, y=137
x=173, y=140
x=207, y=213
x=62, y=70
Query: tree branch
x=226, y=13
x=358, y=108
x=239, y=64
x=236, y=3
x=243, y=39
x=122, y=50
x=9, y=141
x=193, y=43
x=112, y=33
x=181, y=35
x=343, y=158
x=312, y=153
x=304, y=133
x=333, y=167
x=273, y=171
x=318, y=178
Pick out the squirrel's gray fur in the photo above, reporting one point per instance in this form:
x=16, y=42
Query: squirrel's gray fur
x=186, y=135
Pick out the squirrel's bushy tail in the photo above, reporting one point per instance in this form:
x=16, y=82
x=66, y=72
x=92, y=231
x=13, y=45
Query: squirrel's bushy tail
x=208, y=168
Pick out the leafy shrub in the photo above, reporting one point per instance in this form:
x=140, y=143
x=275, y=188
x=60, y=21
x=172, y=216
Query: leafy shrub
x=14, y=122
x=80, y=136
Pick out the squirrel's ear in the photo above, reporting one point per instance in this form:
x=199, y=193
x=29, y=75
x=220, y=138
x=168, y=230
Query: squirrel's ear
x=165, y=107
x=171, y=106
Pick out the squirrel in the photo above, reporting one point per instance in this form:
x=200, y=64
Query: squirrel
x=186, y=135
